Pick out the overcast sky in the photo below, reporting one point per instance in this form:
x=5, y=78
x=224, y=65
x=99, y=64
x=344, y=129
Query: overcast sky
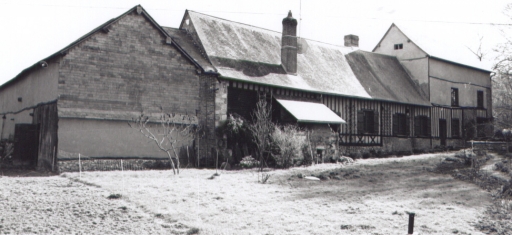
x=32, y=30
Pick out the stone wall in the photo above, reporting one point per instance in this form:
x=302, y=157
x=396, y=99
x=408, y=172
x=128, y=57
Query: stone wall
x=128, y=68
x=112, y=164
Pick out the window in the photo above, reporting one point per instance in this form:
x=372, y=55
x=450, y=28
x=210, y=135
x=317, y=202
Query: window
x=399, y=46
x=455, y=128
x=480, y=99
x=422, y=126
x=455, y=97
x=400, y=124
x=367, y=122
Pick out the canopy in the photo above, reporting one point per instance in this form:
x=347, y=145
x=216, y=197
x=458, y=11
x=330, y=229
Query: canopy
x=310, y=112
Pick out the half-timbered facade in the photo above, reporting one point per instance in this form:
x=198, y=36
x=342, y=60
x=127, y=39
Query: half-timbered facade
x=383, y=108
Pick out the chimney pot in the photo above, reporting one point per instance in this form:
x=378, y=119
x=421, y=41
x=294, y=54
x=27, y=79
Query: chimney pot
x=351, y=40
x=289, y=44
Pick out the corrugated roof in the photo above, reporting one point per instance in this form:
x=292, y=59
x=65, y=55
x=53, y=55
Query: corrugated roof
x=247, y=53
x=310, y=112
x=384, y=78
x=185, y=41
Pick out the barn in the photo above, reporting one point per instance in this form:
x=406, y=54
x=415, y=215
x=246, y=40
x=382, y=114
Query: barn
x=76, y=103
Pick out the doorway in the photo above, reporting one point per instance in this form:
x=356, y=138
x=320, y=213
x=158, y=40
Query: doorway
x=442, y=131
x=26, y=144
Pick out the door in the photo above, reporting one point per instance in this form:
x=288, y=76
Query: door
x=442, y=131
x=26, y=144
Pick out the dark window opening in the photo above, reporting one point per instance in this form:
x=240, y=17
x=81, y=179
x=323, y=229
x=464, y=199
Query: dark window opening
x=481, y=124
x=422, y=126
x=400, y=124
x=480, y=99
x=455, y=128
x=367, y=122
x=455, y=97
x=242, y=102
x=399, y=46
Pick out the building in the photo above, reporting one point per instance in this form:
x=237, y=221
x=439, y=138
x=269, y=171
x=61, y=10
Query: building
x=458, y=88
x=77, y=101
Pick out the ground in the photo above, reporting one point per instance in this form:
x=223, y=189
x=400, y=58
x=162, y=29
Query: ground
x=371, y=196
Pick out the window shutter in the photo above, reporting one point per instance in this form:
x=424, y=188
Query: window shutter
x=375, y=122
x=429, y=129
x=407, y=125
x=360, y=122
x=417, y=126
x=395, y=124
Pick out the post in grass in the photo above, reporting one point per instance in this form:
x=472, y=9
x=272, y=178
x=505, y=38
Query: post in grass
x=79, y=166
x=410, y=230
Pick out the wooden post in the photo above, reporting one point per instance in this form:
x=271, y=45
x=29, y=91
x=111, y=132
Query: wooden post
x=79, y=166
x=410, y=231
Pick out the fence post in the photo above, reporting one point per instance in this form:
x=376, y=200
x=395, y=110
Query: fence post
x=410, y=231
x=79, y=166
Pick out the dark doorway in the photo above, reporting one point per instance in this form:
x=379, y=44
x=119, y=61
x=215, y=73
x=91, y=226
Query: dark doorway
x=442, y=131
x=26, y=144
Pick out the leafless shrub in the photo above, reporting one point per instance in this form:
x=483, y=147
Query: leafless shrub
x=261, y=128
x=167, y=132
x=289, y=140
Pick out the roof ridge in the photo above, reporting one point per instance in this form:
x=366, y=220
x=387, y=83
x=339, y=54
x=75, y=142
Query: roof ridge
x=236, y=22
x=308, y=39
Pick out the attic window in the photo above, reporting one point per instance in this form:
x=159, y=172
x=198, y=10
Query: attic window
x=399, y=46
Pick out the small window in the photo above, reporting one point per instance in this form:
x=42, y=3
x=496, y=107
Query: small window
x=455, y=128
x=455, y=97
x=400, y=124
x=480, y=99
x=422, y=126
x=399, y=46
x=367, y=121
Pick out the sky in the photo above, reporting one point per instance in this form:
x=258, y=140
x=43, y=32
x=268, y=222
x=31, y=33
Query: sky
x=33, y=29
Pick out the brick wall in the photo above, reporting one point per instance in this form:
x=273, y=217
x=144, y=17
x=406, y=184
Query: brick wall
x=130, y=68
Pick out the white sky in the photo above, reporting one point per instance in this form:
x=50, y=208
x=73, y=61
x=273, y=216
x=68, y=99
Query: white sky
x=32, y=30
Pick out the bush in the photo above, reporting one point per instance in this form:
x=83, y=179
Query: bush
x=500, y=166
x=289, y=140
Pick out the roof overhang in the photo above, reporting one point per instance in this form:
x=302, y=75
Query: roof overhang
x=308, y=112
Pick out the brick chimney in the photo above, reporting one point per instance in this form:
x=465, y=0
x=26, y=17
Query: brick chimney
x=351, y=40
x=289, y=44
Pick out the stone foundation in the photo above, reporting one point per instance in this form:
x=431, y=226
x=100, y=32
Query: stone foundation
x=72, y=165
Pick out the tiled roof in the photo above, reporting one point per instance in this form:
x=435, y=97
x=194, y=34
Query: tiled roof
x=384, y=78
x=247, y=53
x=251, y=54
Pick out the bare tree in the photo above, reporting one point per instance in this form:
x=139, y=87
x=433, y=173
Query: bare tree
x=261, y=128
x=502, y=80
x=479, y=53
x=167, y=132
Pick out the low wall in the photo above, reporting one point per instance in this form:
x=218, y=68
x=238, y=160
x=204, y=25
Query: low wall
x=72, y=165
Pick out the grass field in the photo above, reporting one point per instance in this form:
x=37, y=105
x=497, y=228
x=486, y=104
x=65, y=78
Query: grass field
x=368, y=197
